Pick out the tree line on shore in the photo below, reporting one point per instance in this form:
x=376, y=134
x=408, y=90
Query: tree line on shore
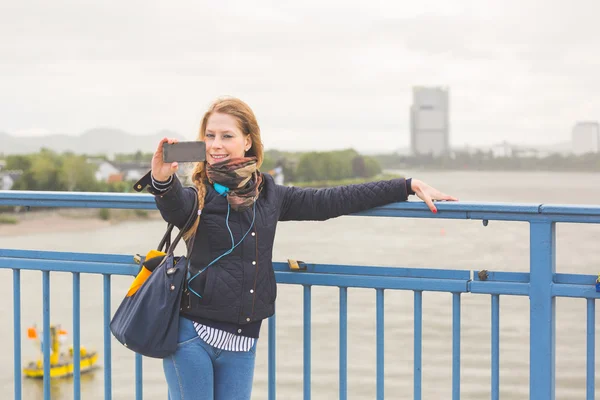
x=486, y=160
x=50, y=171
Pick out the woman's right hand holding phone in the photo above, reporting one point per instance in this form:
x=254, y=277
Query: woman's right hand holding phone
x=162, y=171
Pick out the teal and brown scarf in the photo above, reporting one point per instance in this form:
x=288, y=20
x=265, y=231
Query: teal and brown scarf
x=242, y=178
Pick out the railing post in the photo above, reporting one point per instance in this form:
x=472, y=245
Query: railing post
x=47, y=345
x=591, y=349
x=418, y=344
x=107, y=338
x=139, y=377
x=542, y=310
x=272, y=357
x=76, y=336
x=343, y=343
x=307, y=341
x=455, y=346
x=495, y=347
x=17, y=331
x=380, y=345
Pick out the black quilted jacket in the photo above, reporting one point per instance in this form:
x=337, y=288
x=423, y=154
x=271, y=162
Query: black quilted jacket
x=240, y=288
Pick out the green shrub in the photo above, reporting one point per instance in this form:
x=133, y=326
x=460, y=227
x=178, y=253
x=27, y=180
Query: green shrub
x=104, y=214
x=140, y=213
x=7, y=219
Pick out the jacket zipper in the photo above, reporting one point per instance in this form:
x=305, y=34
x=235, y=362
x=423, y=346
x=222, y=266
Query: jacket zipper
x=255, y=270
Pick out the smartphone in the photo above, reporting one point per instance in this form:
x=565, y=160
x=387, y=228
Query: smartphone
x=184, y=151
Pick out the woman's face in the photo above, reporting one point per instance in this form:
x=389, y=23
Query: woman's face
x=224, y=139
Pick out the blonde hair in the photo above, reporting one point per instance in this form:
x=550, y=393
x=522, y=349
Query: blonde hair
x=249, y=127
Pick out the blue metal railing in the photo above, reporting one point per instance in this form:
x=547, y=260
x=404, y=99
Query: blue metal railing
x=541, y=284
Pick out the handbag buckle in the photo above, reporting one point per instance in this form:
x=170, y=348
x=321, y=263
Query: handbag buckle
x=171, y=271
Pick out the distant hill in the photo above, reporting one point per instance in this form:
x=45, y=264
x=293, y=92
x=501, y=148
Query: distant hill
x=94, y=141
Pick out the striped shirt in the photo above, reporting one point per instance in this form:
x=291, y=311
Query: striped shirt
x=223, y=340
x=215, y=337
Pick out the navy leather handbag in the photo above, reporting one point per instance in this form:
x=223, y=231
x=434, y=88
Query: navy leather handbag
x=147, y=322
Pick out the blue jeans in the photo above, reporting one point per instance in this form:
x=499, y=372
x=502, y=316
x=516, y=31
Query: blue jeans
x=198, y=371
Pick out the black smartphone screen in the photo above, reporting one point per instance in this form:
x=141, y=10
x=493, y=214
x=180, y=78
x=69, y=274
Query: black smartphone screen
x=184, y=151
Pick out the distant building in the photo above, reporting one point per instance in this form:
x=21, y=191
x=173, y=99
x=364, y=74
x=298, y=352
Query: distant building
x=277, y=174
x=430, y=121
x=105, y=171
x=110, y=171
x=132, y=171
x=586, y=137
x=8, y=179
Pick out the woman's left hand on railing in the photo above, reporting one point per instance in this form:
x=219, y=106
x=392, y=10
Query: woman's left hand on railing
x=428, y=194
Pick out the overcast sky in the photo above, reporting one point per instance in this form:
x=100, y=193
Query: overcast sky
x=319, y=74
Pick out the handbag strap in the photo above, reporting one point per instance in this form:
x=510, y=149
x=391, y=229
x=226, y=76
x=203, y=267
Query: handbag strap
x=165, y=242
x=188, y=224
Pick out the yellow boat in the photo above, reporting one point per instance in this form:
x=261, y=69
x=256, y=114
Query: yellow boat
x=61, y=364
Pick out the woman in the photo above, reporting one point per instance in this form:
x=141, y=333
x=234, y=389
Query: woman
x=232, y=285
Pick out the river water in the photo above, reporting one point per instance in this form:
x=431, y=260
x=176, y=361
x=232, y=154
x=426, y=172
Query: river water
x=448, y=244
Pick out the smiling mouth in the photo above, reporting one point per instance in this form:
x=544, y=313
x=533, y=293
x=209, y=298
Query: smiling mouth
x=219, y=156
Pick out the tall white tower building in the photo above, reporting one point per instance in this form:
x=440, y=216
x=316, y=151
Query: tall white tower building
x=430, y=121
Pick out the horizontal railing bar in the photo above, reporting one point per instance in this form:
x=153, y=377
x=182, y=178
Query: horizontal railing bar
x=508, y=283
x=464, y=206
x=97, y=263
x=578, y=291
x=447, y=212
x=499, y=276
x=522, y=289
x=575, y=279
x=485, y=211
x=278, y=266
x=411, y=209
x=377, y=271
x=570, y=209
x=372, y=282
x=523, y=277
x=76, y=199
x=495, y=216
x=402, y=213
x=122, y=205
x=67, y=256
x=510, y=288
x=580, y=219
x=68, y=266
